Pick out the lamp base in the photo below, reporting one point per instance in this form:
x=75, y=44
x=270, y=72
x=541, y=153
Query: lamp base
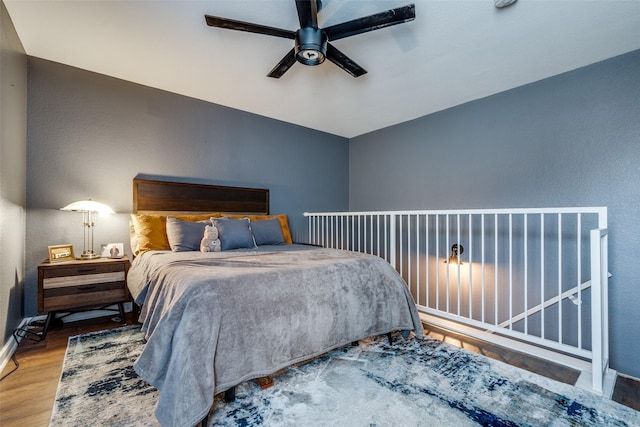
x=89, y=255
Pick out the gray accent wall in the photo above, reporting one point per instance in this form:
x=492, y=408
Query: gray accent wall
x=89, y=135
x=569, y=140
x=13, y=145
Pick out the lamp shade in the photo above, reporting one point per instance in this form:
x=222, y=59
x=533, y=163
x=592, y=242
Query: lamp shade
x=88, y=206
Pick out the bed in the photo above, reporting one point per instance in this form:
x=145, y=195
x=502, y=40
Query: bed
x=215, y=319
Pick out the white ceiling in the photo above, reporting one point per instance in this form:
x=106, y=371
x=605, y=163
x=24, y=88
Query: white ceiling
x=454, y=52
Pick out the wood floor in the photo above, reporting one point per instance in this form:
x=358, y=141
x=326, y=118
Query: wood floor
x=27, y=395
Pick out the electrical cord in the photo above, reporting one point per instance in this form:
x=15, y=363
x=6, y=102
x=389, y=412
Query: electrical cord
x=20, y=334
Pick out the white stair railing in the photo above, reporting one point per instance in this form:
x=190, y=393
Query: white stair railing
x=529, y=275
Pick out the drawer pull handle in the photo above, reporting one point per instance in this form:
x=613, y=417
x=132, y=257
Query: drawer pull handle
x=84, y=270
x=83, y=287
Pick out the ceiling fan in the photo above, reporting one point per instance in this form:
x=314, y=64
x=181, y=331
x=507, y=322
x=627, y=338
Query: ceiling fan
x=312, y=45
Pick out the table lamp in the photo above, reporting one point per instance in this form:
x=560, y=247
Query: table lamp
x=88, y=208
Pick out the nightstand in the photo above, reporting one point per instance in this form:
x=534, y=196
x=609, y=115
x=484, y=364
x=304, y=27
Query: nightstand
x=82, y=285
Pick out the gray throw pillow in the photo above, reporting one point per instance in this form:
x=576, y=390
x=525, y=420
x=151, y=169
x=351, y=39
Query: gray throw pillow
x=184, y=235
x=234, y=233
x=267, y=232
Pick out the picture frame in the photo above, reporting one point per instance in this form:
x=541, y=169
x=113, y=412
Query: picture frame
x=61, y=253
x=112, y=250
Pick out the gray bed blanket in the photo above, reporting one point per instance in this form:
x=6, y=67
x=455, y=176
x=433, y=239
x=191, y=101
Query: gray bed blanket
x=214, y=320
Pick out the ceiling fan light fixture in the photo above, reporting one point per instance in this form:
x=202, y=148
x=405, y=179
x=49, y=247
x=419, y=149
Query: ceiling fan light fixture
x=311, y=46
x=311, y=43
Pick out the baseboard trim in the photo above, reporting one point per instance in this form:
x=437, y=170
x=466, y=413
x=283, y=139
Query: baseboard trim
x=11, y=345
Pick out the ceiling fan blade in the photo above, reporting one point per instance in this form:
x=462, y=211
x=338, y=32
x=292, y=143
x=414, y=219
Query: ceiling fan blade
x=344, y=62
x=307, y=13
x=371, y=22
x=231, y=24
x=284, y=64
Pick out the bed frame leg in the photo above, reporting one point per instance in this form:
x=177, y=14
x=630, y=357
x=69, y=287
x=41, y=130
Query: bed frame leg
x=389, y=337
x=229, y=396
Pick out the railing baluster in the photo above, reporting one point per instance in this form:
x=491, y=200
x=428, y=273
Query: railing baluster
x=426, y=259
x=458, y=268
x=482, y=256
x=437, y=262
x=409, y=249
x=542, y=240
x=448, y=281
x=579, y=276
x=560, y=317
x=392, y=239
x=470, y=263
x=418, y=257
x=526, y=273
x=496, y=320
x=510, y=271
x=386, y=240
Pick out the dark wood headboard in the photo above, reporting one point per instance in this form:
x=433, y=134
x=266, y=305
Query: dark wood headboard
x=163, y=196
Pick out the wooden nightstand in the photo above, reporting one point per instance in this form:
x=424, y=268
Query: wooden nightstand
x=82, y=285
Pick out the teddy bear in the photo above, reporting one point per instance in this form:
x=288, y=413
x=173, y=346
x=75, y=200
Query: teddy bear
x=210, y=242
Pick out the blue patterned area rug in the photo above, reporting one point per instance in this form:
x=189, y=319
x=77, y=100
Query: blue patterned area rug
x=410, y=383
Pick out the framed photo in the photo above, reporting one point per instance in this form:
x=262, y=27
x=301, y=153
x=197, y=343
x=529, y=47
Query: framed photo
x=59, y=253
x=113, y=250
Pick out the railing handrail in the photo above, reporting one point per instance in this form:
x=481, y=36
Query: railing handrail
x=600, y=210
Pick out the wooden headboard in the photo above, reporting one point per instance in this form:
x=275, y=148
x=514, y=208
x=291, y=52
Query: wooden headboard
x=151, y=196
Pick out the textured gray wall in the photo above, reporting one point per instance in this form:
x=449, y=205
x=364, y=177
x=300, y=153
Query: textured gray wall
x=13, y=143
x=570, y=140
x=90, y=135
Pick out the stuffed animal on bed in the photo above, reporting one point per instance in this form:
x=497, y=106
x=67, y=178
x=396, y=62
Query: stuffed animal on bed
x=210, y=242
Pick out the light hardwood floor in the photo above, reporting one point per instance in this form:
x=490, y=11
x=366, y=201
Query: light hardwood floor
x=27, y=395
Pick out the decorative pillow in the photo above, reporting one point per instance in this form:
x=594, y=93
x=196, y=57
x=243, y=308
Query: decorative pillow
x=234, y=233
x=267, y=232
x=210, y=241
x=184, y=235
x=151, y=233
x=282, y=218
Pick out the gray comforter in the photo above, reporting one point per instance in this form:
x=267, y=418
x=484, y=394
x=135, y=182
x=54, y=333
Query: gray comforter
x=213, y=320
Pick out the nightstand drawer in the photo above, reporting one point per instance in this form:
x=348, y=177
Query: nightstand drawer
x=83, y=295
x=84, y=268
x=87, y=279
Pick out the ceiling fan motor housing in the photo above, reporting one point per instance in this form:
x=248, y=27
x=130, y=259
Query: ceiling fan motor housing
x=311, y=46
